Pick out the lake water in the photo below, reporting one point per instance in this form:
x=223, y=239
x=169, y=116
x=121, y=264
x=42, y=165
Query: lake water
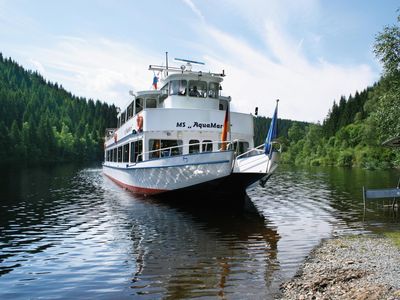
x=68, y=232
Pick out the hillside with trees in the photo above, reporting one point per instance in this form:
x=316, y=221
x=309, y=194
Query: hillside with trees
x=40, y=121
x=261, y=125
x=354, y=129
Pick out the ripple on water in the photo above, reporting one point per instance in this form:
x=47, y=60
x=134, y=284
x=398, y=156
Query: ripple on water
x=68, y=232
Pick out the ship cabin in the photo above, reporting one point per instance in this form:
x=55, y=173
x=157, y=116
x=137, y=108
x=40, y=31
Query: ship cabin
x=185, y=116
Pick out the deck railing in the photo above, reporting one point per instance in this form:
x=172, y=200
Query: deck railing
x=260, y=150
x=178, y=150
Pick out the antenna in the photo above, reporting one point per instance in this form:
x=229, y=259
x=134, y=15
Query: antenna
x=166, y=61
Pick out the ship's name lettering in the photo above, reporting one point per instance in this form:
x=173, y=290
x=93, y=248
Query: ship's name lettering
x=199, y=125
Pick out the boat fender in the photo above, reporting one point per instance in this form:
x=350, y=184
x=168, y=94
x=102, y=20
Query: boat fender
x=115, y=137
x=139, y=123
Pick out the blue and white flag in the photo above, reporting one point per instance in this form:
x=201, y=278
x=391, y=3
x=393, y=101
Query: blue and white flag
x=272, y=131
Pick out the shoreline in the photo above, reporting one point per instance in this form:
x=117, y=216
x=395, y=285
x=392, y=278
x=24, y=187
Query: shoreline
x=348, y=267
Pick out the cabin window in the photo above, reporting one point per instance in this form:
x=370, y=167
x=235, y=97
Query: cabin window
x=223, y=104
x=165, y=148
x=120, y=154
x=125, y=157
x=129, y=111
x=123, y=118
x=151, y=103
x=206, y=146
x=133, y=157
x=136, y=150
x=115, y=159
x=108, y=155
x=154, y=146
x=178, y=87
x=139, y=150
x=194, y=146
x=197, y=88
x=138, y=105
x=213, y=90
x=241, y=147
x=164, y=94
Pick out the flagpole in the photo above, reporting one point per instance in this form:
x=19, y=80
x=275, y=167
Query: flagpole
x=229, y=120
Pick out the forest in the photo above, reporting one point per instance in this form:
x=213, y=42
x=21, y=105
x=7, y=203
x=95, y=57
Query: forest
x=41, y=122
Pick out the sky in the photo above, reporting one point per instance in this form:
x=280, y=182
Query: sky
x=307, y=53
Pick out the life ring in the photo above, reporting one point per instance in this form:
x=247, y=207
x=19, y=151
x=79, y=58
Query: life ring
x=115, y=137
x=139, y=123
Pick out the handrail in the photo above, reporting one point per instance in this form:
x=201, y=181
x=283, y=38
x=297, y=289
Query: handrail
x=258, y=149
x=169, y=149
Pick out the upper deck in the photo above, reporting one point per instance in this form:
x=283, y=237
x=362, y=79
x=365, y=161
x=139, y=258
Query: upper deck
x=180, y=89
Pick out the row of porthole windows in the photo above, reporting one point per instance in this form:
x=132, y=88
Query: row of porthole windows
x=130, y=152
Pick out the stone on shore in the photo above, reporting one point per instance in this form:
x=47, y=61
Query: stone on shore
x=356, y=267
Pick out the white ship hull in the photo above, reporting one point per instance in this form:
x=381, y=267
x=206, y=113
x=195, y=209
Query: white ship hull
x=172, y=173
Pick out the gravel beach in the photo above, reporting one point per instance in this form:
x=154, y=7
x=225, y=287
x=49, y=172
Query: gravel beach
x=352, y=267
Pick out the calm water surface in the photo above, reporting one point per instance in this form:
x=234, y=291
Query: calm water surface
x=68, y=232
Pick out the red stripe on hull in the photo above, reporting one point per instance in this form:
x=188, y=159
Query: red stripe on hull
x=135, y=189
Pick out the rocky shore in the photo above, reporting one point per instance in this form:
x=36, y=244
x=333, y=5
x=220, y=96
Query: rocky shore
x=353, y=267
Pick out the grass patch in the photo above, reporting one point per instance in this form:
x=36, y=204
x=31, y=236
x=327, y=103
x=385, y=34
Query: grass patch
x=394, y=236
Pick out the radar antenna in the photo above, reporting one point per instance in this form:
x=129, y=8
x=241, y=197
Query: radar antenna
x=189, y=63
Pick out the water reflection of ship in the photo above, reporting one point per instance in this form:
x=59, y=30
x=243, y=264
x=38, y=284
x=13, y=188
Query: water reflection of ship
x=192, y=251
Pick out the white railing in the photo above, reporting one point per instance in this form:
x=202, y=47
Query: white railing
x=259, y=150
x=178, y=150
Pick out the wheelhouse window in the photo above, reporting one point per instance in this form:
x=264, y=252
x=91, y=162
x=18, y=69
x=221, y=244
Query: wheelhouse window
x=151, y=103
x=194, y=146
x=138, y=105
x=157, y=148
x=197, y=88
x=206, y=146
x=213, y=90
x=178, y=87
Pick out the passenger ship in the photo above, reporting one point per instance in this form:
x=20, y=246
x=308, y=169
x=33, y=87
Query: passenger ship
x=184, y=138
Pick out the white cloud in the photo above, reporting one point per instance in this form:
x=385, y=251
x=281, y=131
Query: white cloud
x=306, y=89
x=94, y=68
x=194, y=9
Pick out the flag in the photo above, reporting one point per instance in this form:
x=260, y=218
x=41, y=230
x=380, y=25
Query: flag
x=225, y=128
x=272, y=132
x=155, y=81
